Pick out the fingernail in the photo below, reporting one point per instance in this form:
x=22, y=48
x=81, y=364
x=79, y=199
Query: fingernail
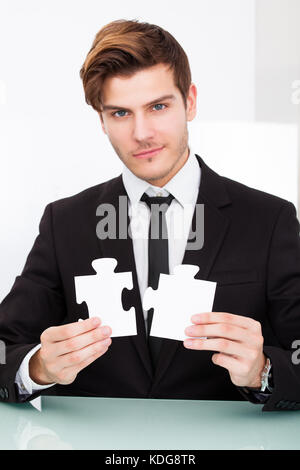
x=189, y=330
x=106, y=330
x=95, y=321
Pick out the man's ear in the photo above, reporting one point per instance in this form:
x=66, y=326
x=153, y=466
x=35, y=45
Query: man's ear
x=191, y=102
x=102, y=122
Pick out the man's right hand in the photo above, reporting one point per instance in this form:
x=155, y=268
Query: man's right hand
x=67, y=349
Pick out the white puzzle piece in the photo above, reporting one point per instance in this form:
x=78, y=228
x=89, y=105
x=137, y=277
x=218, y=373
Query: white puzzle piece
x=102, y=293
x=178, y=297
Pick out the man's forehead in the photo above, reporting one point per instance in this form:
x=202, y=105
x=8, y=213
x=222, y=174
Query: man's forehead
x=153, y=72
x=144, y=87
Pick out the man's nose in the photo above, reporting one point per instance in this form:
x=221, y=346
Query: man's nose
x=142, y=128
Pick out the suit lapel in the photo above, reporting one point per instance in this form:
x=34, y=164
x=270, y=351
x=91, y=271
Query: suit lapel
x=212, y=193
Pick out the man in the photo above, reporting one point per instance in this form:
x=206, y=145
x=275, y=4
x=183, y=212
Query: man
x=137, y=77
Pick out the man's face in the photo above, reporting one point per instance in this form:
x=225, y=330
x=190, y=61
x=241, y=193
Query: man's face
x=145, y=112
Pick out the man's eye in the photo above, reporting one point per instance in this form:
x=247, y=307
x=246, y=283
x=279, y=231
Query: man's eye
x=115, y=113
x=122, y=113
x=159, y=104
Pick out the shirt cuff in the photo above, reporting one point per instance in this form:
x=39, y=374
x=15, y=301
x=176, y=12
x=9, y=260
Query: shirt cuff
x=262, y=397
x=25, y=384
x=255, y=395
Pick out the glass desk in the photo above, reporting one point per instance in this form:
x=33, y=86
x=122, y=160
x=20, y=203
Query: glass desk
x=128, y=423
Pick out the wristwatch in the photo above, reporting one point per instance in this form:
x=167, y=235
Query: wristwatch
x=266, y=377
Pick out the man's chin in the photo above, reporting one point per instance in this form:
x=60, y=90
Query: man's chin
x=150, y=177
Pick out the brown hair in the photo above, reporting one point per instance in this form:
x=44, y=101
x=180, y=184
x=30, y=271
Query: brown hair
x=124, y=47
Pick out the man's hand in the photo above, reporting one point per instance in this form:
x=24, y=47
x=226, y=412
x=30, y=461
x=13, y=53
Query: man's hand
x=237, y=339
x=67, y=349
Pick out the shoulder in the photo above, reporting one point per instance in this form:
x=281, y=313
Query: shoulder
x=89, y=196
x=254, y=199
x=80, y=208
x=239, y=197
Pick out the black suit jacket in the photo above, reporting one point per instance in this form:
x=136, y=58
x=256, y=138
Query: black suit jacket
x=251, y=249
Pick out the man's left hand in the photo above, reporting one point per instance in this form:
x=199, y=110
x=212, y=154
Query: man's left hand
x=237, y=339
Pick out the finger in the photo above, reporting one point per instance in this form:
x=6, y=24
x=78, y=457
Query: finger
x=80, y=341
x=76, y=357
x=225, y=317
x=62, y=332
x=233, y=365
x=222, y=330
x=218, y=344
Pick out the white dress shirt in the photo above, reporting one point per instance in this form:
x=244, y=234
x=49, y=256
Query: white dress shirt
x=184, y=186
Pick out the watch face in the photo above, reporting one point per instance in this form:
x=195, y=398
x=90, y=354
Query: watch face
x=266, y=376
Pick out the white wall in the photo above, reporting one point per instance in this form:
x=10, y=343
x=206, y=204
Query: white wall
x=277, y=59
x=51, y=142
x=277, y=65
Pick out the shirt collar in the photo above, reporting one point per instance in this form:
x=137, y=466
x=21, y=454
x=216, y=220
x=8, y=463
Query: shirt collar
x=184, y=185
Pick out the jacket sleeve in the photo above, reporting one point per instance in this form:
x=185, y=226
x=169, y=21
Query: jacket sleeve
x=34, y=303
x=283, y=299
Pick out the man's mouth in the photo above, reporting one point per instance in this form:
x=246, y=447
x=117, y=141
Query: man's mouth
x=148, y=153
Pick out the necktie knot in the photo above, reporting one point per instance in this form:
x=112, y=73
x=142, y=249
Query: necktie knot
x=161, y=202
x=158, y=207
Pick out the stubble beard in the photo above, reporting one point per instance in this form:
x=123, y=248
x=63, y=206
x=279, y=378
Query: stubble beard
x=183, y=143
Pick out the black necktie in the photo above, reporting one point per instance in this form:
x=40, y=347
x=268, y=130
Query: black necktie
x=158, y=255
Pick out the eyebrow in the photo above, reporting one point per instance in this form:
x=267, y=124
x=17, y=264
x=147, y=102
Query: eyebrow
x=161, y=98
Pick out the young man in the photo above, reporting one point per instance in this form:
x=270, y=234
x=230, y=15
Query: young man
x=137, y=77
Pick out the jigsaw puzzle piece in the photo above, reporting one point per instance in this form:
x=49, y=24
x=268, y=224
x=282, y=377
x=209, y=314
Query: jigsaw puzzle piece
x=102, y=293
x=177, y=298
